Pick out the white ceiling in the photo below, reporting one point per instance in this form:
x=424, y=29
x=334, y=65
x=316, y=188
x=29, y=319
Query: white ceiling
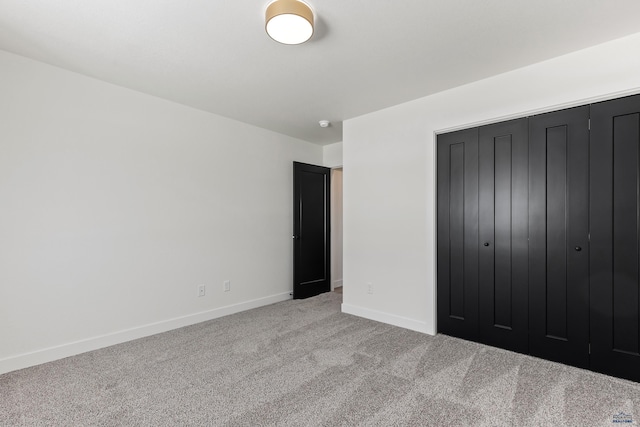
x=365, y=55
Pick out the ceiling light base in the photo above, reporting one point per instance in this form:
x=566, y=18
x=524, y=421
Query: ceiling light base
x=289, y=21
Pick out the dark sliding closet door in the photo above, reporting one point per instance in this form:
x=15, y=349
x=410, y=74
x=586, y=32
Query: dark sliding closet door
x=503, y=193
x=458, y=234
x=559, y=229
x=615, y=234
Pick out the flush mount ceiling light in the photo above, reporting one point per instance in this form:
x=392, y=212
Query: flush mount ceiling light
x=289, y=21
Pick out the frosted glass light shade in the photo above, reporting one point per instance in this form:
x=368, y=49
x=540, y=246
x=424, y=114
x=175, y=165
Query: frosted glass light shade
x=289, y=21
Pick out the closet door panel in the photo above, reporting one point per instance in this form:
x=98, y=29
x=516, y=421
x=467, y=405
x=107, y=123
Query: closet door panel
x=503, y=201
x=625, y=233
x=458, y=234
x=615, y=228
x=558, y=233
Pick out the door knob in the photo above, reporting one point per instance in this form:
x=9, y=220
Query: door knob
x=486, y=243
x=578, y=248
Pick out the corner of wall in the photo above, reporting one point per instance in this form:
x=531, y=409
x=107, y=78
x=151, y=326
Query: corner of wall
x=332, y=155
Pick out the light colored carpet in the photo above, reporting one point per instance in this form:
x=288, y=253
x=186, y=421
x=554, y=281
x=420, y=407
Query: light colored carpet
x=303, y=363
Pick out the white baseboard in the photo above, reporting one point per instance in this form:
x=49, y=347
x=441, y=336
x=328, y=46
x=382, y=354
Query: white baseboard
x=390, y=319
x=336, y=283
x=50, y=354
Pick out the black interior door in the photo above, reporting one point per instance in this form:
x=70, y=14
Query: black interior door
x=458, y=234
x=558, y=236
x=503, y=259
x=615, y=220
x=311, y=230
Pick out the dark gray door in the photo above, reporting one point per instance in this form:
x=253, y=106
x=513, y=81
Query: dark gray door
x=311, y=230
x=458, y=234
x=615, y=228
x=558, y=236
x=503, y=259
x=539, y=235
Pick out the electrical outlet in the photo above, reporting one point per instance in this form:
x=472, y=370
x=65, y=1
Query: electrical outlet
x=370, y=288
x=202, y=290
x=226, y=286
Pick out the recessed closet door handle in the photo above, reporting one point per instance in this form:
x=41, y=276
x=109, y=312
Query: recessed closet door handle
x=578, y=248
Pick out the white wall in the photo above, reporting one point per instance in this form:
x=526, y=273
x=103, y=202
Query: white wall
x=389, y=171
x=332, y=155
x=336, y=228
x=332, y=158
x=116, y=205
